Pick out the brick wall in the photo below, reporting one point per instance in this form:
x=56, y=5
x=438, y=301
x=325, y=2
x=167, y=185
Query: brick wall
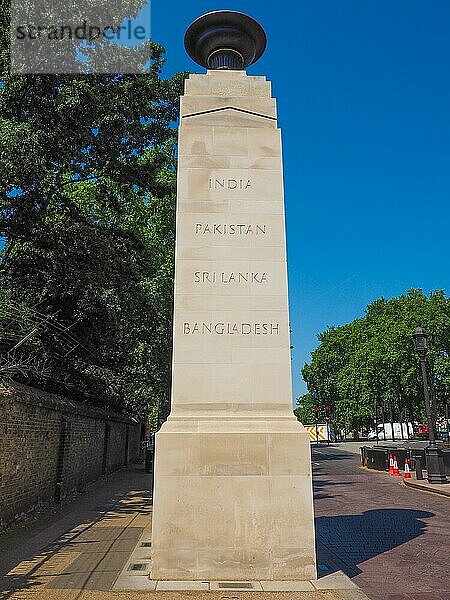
x=51, y=447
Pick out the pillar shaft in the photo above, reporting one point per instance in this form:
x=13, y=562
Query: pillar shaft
x=233, y=493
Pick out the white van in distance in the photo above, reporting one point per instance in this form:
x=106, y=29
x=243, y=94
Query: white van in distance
x=401, y=431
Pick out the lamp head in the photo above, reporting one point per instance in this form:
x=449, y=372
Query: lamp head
x=420, y=336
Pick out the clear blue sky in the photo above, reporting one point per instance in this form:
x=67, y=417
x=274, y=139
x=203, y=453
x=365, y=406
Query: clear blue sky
x=363, y=92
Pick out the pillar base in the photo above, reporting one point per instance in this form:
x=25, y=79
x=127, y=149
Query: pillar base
x=233, y=501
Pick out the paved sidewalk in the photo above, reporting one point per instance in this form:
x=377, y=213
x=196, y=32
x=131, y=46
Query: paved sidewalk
x=85, y=549
x=83, y=545
x=392, y=540
x=442, y=489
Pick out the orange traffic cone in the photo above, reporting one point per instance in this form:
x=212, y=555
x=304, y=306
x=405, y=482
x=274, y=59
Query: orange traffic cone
x=391, y=464
x=395, y=472
x=407, y=474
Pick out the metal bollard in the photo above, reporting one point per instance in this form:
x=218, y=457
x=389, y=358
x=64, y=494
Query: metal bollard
x=419, y=467
x=149, y=456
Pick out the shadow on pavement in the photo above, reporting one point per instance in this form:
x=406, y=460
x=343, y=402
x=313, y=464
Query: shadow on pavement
x=320, y=492
x=344, y=541
x=330, y=455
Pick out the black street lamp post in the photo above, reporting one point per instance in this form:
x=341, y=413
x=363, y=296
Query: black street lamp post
x=327, y=421
x=376, y=422
x=435, y=460
x=316, y=416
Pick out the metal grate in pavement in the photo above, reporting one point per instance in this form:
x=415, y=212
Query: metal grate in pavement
x=239, y=585
x=138, y=566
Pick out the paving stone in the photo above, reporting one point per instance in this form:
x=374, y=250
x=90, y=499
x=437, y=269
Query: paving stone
x=125, y=582
x=141, y=555
x=92, y=580
x=335, y=581
x=355, y=594
x=287, y=586
x=165, y=586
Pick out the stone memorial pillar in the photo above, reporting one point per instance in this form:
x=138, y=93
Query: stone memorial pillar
x=232, y=496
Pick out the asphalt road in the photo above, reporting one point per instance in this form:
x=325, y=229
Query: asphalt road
x=392, y=540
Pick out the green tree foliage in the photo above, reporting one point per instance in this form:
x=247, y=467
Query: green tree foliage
x=371, y=363
x=87, y=192
x=305, y=409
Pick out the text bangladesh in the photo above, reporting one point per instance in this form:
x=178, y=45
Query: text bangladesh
x=231, y=328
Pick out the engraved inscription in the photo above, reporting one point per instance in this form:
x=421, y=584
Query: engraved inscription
x=231, y=328
x=230, y=184
x=223, y=277
x=229, y=229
